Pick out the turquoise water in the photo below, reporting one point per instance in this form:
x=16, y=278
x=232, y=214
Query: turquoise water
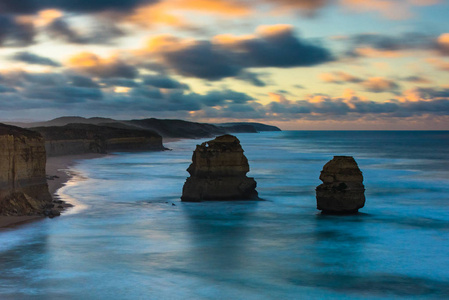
x=126, y=240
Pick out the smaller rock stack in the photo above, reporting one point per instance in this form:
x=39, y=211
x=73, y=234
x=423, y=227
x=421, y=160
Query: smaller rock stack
x=218, y=172
x=342, y=190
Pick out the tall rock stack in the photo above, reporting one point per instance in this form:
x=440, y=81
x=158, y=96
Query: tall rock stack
x=342, y=190
x=218, y=172
x=23, y=184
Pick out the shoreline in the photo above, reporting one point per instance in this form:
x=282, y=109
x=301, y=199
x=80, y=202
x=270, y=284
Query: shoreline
x=57, y=171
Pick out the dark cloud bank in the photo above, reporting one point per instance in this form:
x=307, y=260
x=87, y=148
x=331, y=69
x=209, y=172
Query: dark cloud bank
x=22, y=91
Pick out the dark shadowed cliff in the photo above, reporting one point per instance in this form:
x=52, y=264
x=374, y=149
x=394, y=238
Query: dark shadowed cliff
x=88, y=138
x=178, y=128
x=257, y=126
x=165, y=127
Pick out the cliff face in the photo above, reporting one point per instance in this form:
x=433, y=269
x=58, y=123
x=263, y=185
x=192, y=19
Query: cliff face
x=342, y=190
x=218, y=172
x=87, y=138
x=23, y=185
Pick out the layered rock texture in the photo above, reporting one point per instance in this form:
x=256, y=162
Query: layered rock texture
x=88, y=138
x=218, y=172
x=342, y=190
x=23, y=184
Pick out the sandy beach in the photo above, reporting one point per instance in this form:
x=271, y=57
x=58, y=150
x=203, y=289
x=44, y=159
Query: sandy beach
x=58, y=173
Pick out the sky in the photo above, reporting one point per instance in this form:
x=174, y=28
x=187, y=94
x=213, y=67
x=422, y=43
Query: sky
x=297, y=64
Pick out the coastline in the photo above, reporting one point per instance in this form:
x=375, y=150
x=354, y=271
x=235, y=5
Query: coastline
x=58, y=174
x=57, y=170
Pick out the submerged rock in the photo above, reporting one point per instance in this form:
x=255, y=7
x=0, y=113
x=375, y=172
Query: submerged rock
x=342, y=190
x=218, y=172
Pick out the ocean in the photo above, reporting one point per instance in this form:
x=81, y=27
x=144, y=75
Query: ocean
x=130, y=237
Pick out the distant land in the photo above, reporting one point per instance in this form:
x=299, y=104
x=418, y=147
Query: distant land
x=172, y=128
x=77, y=135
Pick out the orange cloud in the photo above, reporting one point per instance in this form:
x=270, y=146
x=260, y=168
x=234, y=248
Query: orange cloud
x=231, y=40
x=443, y=43
x=222, y=7
x=371, y=52
x=439, y=63
x=278, y=98
x=339, y=77
x=392, y=9
x=327, y=77
x=379, y=84
x=164, y=42
x=84, y=60
x=172, y=12
x=94, y=65
x=157, y=14
x=317, y=98
x=412, y=95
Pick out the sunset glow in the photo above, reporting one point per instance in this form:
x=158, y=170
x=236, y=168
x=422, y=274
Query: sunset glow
x=344, y=64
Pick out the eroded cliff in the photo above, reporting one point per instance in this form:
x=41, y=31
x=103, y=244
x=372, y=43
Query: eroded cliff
x=23, y=185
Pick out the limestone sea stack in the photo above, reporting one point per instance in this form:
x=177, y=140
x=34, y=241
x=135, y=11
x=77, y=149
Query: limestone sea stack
x=23, y=184
x=342, y=190
x=218, y=172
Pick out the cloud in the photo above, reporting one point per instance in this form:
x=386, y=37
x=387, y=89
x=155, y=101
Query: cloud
x=164, y=12
x=24, y=92
x=379, y=85
x=439, y=63
x=373, y=84
x=71, y=91
x=33, y=59
x=94, y=65
x=349, y=106
x=339, y=77
x=6, y=89
x=15, y=33
x=163, y=82
x=424, y=95
x=252, y=78
x=81, y=81
x=119, y=82
x=443, y=43
x=215, y=98
x=47, y=87
x=416, y=79
x=80, y=6
x=228, y=55
x=391, y=9
x=274, y=46
x=99, y=32
x=381, y=45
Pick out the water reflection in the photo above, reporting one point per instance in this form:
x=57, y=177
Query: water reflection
x=220, y=232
